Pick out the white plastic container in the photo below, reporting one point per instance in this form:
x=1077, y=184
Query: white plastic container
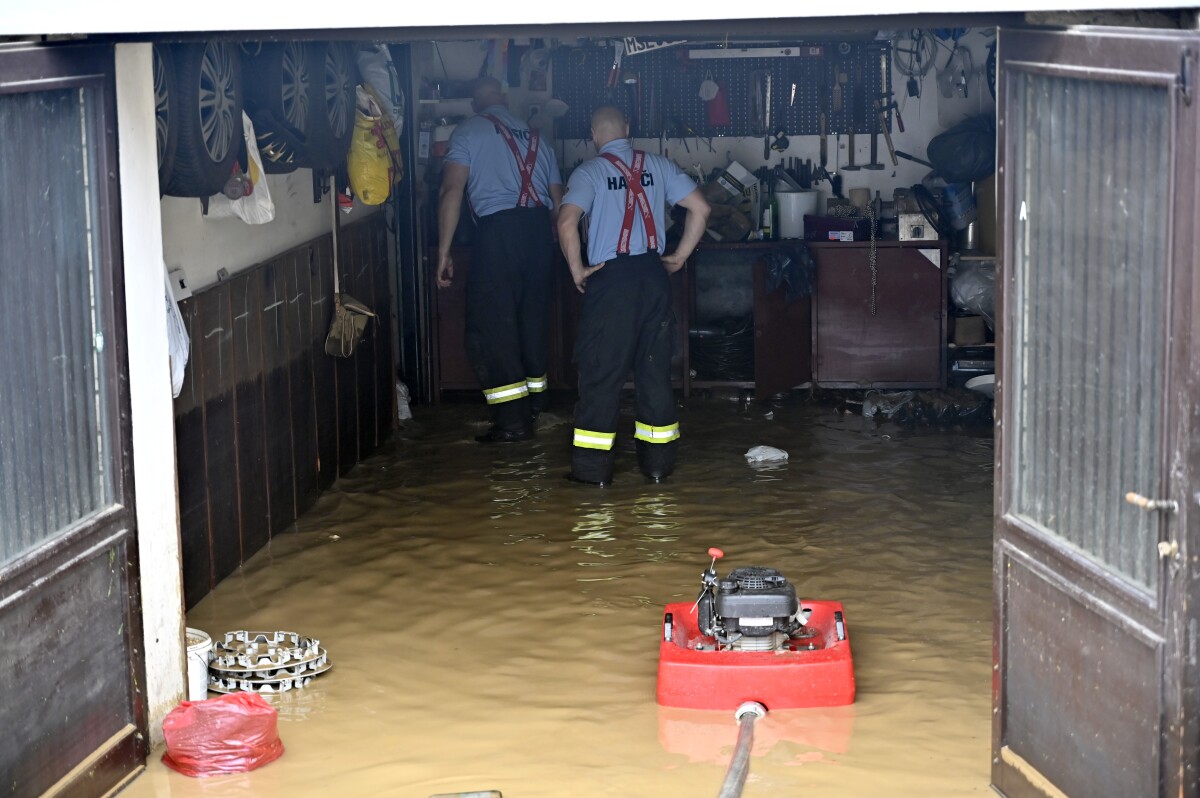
x=199, y=654
x=793, y=205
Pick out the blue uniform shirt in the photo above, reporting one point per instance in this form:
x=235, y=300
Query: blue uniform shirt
x=599, y=189
x=494, y=181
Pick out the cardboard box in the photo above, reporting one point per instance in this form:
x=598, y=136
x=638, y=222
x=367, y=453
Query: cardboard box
x=969, y=331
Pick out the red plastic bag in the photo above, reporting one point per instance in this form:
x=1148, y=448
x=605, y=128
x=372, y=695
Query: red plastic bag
x=228, y=734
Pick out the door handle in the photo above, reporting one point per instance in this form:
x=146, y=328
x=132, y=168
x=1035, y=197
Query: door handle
x=1152, y=505
x=1167, y=549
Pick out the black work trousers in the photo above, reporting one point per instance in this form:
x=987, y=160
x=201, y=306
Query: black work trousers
x=628, y=325
x=508, y=305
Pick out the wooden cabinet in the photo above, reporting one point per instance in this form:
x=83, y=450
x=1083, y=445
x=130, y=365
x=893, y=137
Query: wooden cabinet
x=452, y=369
x=831, y=338
x=732, y=280
x=885, y=329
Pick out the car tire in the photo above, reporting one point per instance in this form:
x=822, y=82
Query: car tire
x=278, y=86
x=165, y=127
x=207, y=109
x=331, y=104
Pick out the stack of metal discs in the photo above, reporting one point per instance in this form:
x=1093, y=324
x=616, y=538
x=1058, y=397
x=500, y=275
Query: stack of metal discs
x=265, y=662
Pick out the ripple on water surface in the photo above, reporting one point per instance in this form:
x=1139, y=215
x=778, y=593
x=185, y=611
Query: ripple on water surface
x=493, y=626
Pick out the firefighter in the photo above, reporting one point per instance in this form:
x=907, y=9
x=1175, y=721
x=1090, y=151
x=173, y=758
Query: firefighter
x=628, y=324
x=512, y=182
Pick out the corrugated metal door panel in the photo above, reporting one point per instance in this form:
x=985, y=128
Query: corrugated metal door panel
x=54, y=436
x=1094, y=637
x=68, y=538
x=1091, y=274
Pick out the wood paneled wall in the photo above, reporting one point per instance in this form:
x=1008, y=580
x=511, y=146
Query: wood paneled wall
x=266, y=420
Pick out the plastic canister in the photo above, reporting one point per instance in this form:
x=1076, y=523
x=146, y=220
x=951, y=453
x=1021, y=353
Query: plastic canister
x=199, y=654
x=960, y=204
x=793, y=206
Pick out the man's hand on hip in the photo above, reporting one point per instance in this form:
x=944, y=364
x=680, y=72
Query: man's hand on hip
x=581, y=274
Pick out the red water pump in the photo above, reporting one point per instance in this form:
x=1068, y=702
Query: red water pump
x=748, y=638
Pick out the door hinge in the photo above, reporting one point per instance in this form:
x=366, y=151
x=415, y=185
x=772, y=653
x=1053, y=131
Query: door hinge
x=1187, y=69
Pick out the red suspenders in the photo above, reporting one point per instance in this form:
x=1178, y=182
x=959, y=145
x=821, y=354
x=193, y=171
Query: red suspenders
x=634, y=195
x=528, y=197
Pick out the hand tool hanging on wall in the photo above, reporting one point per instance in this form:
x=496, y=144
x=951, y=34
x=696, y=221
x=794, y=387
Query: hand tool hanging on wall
x=766, y=117
x=874, y=165
x=850, y=165
x=856, y=120
x=633, y=93
x=824, y=143
x=882, y=105
x=914, y=159
x=614, y=72
x=839, y=79
x=881, y=117
x=680, y=133
x=861, y=106
x=695, y=135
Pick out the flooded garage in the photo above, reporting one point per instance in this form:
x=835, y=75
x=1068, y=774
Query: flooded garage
x=493, y=626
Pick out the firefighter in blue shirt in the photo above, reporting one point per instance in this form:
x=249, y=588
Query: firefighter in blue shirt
x=628, y=323
x=512, y=182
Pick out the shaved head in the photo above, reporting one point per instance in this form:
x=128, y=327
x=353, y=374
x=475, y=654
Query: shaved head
x=608, y=124
x=486, y=93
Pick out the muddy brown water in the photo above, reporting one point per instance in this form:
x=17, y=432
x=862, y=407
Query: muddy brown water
x=495, y=627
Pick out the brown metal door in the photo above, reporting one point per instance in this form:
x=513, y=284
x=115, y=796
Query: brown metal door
x=71, y=710
x=1097, y=160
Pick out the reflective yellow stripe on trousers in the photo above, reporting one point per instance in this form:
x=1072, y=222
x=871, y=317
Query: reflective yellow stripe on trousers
x=651, y=434
x=588, y=439
x=536, y=384
x=505, y=393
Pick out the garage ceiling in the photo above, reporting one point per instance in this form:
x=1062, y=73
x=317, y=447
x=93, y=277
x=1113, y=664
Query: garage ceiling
x=67, y=17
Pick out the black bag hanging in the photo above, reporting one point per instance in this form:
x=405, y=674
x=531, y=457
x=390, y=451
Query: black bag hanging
x=966, y=152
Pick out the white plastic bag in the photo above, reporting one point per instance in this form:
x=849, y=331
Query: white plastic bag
x=255, y=206
x=377, y=71
x=403, y=411
x=178, y=343
x=765, y=454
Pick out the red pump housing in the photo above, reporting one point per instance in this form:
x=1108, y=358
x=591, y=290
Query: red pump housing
x=813, y=668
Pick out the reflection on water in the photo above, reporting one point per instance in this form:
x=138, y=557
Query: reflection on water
x=493, y=626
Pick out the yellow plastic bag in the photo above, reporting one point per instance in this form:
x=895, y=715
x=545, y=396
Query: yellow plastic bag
x=390, y=135
x=369, y=161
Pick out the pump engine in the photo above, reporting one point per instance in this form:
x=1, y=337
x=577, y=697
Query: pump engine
x=751, y=609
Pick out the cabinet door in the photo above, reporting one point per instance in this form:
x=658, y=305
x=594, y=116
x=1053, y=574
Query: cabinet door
x=454, y=371
x=883, y=330
x=782, y=338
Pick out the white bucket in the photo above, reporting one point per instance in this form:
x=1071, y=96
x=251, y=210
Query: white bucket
x=199, y=652
x=793, y=205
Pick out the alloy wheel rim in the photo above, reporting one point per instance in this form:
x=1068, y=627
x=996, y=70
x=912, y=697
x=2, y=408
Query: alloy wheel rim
x=216, y=96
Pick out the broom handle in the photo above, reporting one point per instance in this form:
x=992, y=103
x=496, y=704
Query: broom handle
x=337, y=290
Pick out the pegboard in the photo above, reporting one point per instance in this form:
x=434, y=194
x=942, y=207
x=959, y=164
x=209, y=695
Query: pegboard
x=666, y=96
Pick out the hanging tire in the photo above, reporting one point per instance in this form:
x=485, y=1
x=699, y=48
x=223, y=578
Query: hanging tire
x=165, y=128
x=207, y=110
x=331, y=104
x=278, y=81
